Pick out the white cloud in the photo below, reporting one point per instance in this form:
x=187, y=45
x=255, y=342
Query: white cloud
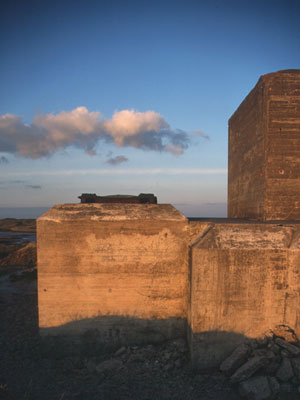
x=128, y=123
x=49, y=133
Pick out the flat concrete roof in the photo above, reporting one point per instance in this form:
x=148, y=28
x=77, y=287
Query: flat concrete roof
x=112, y=212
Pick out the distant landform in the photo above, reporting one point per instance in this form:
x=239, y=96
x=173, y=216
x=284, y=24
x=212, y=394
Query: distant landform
x=22, y=212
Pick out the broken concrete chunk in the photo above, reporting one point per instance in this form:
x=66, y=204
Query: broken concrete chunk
x=274, y=385
x=109, y=366
x=296, y=365
x=288, y=346
x=269, y=334
x=120, y=351
x=271, y=368
x=256, y=388
x=274, y=347
x=236, y=359
x=285, y=354
x=263, y=342
x=295, y=380
x=285, y=371
x=286, y=333
x=286, y=388
x=248, y=369
x=265, y=353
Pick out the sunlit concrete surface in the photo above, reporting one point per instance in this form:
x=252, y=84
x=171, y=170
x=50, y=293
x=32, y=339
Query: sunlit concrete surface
x=264, y=150
x=111, y=260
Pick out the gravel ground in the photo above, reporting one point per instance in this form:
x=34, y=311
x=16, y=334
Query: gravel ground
x=32, y=369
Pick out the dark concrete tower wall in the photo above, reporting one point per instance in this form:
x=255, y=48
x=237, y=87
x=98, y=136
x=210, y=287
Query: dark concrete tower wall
x=264, y=151
x=246, y=157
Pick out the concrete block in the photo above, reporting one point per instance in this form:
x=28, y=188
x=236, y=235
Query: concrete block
x=236, y=359
x=249, y=368
x=118, y=268
x=244, y=280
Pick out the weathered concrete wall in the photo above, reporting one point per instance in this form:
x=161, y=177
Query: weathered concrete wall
x=244, y=280
x=136, y=273
x=111, y=267
x=246, y=157
x=282, y=182
x=264, y=150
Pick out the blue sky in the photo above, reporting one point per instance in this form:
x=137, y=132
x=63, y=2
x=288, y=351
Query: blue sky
x=129, y=96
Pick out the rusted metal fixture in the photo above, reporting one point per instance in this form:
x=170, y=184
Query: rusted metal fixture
x=142, y=198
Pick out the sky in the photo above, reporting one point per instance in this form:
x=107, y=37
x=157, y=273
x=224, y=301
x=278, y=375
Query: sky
x=129, y=97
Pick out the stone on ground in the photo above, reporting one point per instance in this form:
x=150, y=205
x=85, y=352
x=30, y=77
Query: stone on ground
x=236, y=359
x=112, y=365
x=274, y=385
x=255, y=388
x=296, y=365
x=248, y=369
x=294, y=350
x=286, y=333
x=285, y=371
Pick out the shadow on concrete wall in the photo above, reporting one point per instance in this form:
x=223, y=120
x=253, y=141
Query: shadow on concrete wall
x=106, y=333
x=207, y=350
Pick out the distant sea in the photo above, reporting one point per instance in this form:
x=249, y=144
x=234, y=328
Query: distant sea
x=22, y=212
x=204, y=210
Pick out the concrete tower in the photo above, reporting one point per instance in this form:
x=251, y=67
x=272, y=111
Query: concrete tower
x=264, y=151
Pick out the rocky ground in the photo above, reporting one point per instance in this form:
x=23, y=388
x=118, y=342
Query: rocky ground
x=32, y=368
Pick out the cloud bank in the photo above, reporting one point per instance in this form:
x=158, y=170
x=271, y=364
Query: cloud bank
x=49, y=133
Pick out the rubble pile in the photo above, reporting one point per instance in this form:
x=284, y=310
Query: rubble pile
x=266, y=368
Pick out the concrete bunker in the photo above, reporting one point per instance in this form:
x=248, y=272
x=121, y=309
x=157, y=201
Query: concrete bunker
x=143, y=272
